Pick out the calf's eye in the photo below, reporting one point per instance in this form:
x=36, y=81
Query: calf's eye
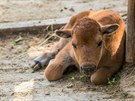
x=100, y=43
x=74, y=45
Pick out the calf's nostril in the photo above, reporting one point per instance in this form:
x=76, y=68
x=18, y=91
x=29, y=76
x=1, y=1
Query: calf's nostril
x=91, y=69
x=88, y=68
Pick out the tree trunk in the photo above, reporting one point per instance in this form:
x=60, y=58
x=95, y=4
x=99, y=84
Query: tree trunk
x=130, y=37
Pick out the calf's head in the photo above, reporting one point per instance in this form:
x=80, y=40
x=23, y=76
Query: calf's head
x=87, y=38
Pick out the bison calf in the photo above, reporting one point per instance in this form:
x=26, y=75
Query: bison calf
x=95, y=46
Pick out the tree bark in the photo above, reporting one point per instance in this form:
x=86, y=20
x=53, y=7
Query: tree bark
x=130, y=37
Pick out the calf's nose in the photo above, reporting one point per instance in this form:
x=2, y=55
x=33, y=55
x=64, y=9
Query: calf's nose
x=87, y=68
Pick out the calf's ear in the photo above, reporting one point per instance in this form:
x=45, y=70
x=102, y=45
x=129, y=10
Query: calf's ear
x=65, y=33
x=108, y=29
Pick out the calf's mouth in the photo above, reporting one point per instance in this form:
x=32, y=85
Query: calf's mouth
x=88, y=68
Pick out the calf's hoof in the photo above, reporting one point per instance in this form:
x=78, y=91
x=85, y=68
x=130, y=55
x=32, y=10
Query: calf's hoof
x=41, y=61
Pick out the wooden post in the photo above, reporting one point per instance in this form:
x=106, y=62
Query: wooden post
x=130, y=37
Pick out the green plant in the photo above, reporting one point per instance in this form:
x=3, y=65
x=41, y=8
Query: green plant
x=72, y=78
x=124, y=94
x=111, y=82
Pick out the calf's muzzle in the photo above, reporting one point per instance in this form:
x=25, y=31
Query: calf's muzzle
x=88, y=68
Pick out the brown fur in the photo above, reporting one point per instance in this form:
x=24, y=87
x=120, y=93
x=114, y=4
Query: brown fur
x=87, y=29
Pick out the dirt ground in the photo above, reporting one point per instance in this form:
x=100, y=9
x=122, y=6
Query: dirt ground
x=17, y=83
x=23, y=10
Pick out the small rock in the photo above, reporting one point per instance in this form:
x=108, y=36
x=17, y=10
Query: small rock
x=12, y=47
x=72, y=9
x=61, y=10
x=12, y=93
x=51, y=85
x=70, y=86
x=47, y=93
x=18, y=39
x=65, y=7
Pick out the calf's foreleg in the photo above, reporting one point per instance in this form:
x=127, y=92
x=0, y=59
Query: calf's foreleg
x=102, y=75
x=56, y=67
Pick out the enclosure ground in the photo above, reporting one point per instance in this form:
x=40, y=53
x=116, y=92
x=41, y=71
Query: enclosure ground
x=17, y=50
x=18, y=83
x=24, y=10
